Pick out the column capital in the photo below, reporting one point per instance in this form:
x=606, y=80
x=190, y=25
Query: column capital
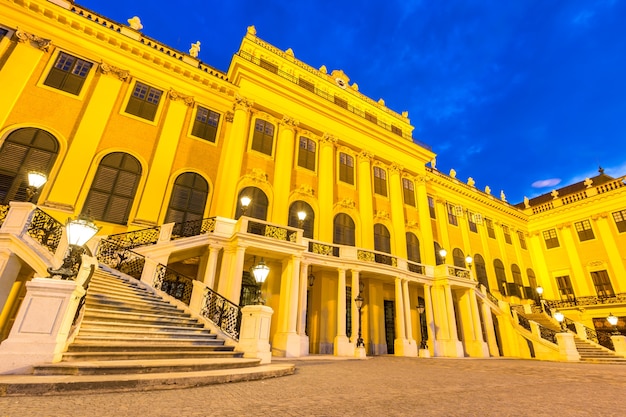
x=229, y=116
x=329, y=139
x=366, y=156
x=597, y=216
x=242, y=103
x=395, y=168
x=107, y=69
x=421, y=179
x=175, y=96
x=289, y=123
x=34, y=40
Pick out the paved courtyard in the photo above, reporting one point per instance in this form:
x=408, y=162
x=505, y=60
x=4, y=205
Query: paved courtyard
x=380, y=386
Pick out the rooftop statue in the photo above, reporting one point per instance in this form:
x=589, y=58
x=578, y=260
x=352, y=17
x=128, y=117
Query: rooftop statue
x=135, y=23
x=195, y=49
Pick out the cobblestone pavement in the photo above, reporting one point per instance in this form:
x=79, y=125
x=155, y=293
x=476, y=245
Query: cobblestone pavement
x=380, y=386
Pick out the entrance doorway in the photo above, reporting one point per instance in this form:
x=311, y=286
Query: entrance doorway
x=390, y=325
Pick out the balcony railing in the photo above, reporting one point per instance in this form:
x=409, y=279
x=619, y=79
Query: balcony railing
x=45, y=229
x=136, y=238
x=455, y=271
x=587, y=301
x=173, y=283
x=274, y=232
x=320, y=248
x=225, y=314
x=193, y=228
x=378, y=257
x=118, y=257
x=417, y=268
x=4, y=210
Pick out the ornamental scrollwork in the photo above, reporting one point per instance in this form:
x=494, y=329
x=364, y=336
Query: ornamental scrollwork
x=229, y=116
x=41, y=43
x=175, y=96
x=257, y=175
x=305, y=189
x=347, y=203
x=396, y=168
x=242, y=103
x=289, y=122
x=107, y=69
x=365, y=155
x=381, y=215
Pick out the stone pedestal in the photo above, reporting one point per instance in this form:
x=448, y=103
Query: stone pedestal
x=424, y=353
x=567, y=347
x=255, y=332
x=360, y=353
x=42, y=325
x=343, y=347
x=405, y=347
x=619, y=343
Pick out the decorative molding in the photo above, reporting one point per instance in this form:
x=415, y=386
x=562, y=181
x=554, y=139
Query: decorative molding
x=412, y=224
x=229, y=116
x=175, y=96
x=257, y=175
x=422, y=179
x=396, y=168
x=289, y=123
x=347, y=203
x=328, y=138
x=602, y=215
x=595, y=263
x=107, y=69
x=242, y=103
x=305, y=189
x=41, y=43
x=381, y=215
x=366, y=156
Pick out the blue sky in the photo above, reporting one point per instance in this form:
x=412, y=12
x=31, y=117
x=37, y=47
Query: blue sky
x=510, y=93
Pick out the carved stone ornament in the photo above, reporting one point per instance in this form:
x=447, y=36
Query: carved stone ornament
x=305, y=189
x=194, y=50
x=554, y=194
x=229, y=116
x=328, y=138
x=175, y=96
x=526, y=202
x=422, y=179
x=41, y=43
x=242, y=103
x=257, y=175
x=396, y=167
x=412, y=224
x=289, y=122
x=588, y=182
x=347, y=203
x=452, y=173
x=252, y=30
x=341, y=79
x=595, y=263
x=471, y=182
x=107, y=69
x=366, y=155
x=381, y=215
x=135, y=23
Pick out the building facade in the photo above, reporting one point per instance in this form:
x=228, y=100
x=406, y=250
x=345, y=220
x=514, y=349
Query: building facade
x=141, y=137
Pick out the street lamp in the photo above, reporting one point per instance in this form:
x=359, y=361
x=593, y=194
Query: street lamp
x=35, y=181
x=468, y=261
x=245, y=202
x=260, y=272
x=613, y=322
x=442, y=254
x=301, y=217
x=311, y=278
x=539, y=290
x=560, y=317
x=78, y=232
x=420, y=310
x=359, y=304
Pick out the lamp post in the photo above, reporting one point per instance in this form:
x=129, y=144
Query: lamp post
x=245, y=202
x=311, y=278
x=359, y=304
x=442, y=254
x=301, y=218
x=35, y=181
x=420, y=310
x=560, y=317
x=260, y=272
x=468, y=261
x=539, y=290
x=78, y=232
x=613, y=322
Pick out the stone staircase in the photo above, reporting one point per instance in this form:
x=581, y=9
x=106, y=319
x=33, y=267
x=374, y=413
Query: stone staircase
x=132, y=338
x=589, y=352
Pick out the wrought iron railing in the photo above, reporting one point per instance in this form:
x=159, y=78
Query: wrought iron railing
x=587, y=300
x=378, y=257
x=45, y=229
x=136, y=238
x=4, y=210
x=524, y=322
x=223, y=313
x=173, y=283
x=417, y=268
x=547, y=334
x=492, y=298
x=458, y=272
x=193, y=228
x=323, y=249
x=120, y=258
x=275, y=232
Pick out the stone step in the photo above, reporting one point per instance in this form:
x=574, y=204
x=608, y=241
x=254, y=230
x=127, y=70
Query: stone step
x=143, y=355
x=155, y=340
x=148, y=346
x=123, y=316
x=112, y=325
x=113, y=333
x=136, y=308
x=146, y=366
x=108, y=297
x=124, y=291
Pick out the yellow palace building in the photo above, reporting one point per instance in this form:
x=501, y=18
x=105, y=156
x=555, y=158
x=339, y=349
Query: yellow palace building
x=362, y=235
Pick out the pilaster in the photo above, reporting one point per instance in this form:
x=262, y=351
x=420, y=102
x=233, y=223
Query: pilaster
x=342, y=346
x=397, y=210
x=283, y=167
x=325, y=196
x=366, y=208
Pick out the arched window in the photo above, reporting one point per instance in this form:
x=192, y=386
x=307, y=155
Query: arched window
x=26, y=149
x=498, y=266
x=439, y=260
x=413, y=248
x=113, y=188
x=258, y=203
x=481, y=270
x=188, y=199
x=517, y=280
x=458, y=257
x=309, y=221
x=382, y=238
x=532, y=280
x=343, y=230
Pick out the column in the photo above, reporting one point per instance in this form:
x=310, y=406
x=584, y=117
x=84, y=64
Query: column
x=614, y=257
x=283, y=167
x=364, y=181
x=397, y=210
x=342, y=346
x=455, y=347
x=430, y=322
x=84, y=144
x=402, y=345
x=163, y=159
x=229, y=285
x=325, y=195
x=411, y=347
x=490, y=331
x=18, y=69
x=355, y=311
x=580, y=281
x=286, y=341
x=442, y=221
x=208, y=277
x=474, y=343
x=541, y=267
x=302, y=309
x=428, y=255
x=229, y=169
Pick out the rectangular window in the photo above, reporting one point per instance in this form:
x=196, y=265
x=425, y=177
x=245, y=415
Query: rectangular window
x=620, y=220
x=346, y=168
x=565, y=288
x=522, y=239
x=371, y=117
x=205, y=124
x=409, y=191
x=452, y=219
x=602, y=283
x=269, y=66
x=551, y=239
x=507, y=234
x=431, y=208
x=380, y=181
x=341, y=102
x=3, y=32
x=68, y=73
x=490, y=231
x=396, y=130
x=471, y=221
x=144, y=101
x=585, y=232
x=306, y=155
x=263, y=138
x=306, y=85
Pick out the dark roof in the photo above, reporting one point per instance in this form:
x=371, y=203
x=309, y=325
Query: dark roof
x=568, y=189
